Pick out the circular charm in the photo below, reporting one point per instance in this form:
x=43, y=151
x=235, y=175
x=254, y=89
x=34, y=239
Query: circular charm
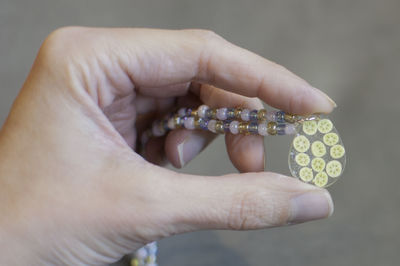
x=317, y=154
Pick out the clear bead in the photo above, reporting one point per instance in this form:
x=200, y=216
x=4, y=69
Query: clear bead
x=271, y=116
x=211, y=125
x=245, y=115
x=201, y=111
x=263, y=129
x=189, y=123
x=290, y=129
x=222, y=113
x=234, y=127
x=141, y=253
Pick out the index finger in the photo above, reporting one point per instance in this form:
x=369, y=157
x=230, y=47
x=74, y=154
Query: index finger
x=196, y=55
x=160, y=58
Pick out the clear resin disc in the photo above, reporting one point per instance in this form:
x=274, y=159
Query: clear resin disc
x=317, y=153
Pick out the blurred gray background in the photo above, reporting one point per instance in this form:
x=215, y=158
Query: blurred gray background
x=348, y=48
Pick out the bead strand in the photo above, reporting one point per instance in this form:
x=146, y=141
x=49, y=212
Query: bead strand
x=226, y=120
x=244, y=114
x=161, y=127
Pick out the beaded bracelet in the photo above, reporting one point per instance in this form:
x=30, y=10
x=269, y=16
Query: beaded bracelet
x=316, y=155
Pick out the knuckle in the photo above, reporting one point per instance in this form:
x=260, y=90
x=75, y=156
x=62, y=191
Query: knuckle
x=206, y=35
x=207, y=41
x=243, y=214
x=256, y=209
x=59, y=44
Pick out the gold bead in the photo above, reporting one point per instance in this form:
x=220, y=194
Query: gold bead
x=194, y=113
x=290, y=118
x=243, y=128
x=262, y=115
x=219, y=127
x=213, y=113
x=197, y=122
x=238, y=112
x=271, y=128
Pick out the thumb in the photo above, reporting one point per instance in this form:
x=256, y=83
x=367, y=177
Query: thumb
x=243, y=201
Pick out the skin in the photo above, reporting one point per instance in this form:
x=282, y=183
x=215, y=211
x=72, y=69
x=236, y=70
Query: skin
x=73, y=189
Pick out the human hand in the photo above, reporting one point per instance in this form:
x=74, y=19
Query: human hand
x=74, y=191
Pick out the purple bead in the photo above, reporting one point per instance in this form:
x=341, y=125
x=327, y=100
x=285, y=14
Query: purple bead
x=253, y=128
x=188, y=111
x=230, y=113
x=263, y=129
x=245, y=115
x=234, y=127
x=222, y=113
x=203, y=124
x=280, y=116
x=253, y=115
x=280, y=129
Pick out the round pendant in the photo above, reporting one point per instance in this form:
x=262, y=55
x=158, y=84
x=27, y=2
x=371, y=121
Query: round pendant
x=317, y=153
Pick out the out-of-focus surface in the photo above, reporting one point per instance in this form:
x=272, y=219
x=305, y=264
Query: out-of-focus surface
x=349, y=49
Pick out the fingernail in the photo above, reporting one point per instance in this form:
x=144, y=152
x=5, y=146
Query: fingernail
x=189, y=148
x=310, y=206
x=329, y=99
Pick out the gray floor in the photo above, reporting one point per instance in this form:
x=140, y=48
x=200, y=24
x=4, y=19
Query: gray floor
x=350, y=49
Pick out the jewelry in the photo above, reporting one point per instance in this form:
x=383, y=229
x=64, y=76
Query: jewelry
x=145, y=256
x=316, y=155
